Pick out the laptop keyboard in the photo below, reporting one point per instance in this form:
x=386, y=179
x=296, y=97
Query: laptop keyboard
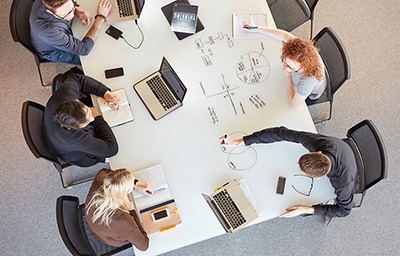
x=229, y=209
x=125, y=8
x=161, y=92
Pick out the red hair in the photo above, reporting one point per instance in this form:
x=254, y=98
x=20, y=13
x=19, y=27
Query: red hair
x=304, y=52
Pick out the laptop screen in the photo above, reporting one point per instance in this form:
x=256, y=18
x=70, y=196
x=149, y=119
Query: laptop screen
x=139, y=6
x=172, y=79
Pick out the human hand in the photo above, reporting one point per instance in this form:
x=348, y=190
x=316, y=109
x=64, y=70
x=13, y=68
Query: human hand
x=287, y=73
x=84, y=16
x=113, y=99
x=144, y=188
x=297, y=210
x=95, y=113
x=104, y=8
x=250, y=26
x=229, y=141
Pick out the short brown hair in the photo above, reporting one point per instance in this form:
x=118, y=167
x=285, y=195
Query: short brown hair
x=70, y=114
x=315, y=164
x=54, y=4
x=304, y=52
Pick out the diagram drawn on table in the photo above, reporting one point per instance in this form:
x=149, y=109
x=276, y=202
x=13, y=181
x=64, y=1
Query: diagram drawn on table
x=205, y=46
x=253, y=68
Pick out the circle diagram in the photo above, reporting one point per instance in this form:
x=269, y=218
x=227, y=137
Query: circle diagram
x=252, y=68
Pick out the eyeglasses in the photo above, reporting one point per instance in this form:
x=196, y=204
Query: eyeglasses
x=286, y=65
x=76, y=5
x=311, y=186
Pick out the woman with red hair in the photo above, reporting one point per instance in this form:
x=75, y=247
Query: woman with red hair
x=302, y=65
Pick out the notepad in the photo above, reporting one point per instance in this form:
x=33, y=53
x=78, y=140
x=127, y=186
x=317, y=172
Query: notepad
x=121, y=116
x=155, y=176
x=260, y=19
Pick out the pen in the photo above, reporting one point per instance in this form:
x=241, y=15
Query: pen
x=155, y=191
x=113, y=103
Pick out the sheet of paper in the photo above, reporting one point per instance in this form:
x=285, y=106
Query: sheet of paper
x=260, y=20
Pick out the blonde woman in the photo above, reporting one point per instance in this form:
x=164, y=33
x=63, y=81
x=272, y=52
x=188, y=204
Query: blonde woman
x=109, y=210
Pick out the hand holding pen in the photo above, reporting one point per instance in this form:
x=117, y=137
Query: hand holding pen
x=249, y=26
x=113, y=100
x=144, y=188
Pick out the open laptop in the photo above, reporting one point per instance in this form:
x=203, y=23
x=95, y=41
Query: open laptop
x=162, y=91
x=124, y=10
x=231, y=207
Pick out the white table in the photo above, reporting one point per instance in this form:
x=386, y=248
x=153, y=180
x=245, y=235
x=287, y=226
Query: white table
x=186, y=142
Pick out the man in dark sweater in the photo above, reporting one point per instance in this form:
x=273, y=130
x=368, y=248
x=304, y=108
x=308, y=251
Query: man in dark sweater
x=51, y=33
x=328, y=156
x=77, y=134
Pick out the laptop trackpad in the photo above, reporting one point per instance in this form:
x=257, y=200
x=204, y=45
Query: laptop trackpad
x=150, y=100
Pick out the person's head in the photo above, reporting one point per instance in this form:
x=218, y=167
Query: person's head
x=73, y=114
x=62, y=9
x=301, y=55
x=112, y=196
x=314, y=164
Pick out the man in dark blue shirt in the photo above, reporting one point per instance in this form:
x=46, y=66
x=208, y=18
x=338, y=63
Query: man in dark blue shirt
x=328, y=156
x=51, y=33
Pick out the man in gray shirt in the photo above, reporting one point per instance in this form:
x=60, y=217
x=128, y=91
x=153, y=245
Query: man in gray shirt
x=51, y=33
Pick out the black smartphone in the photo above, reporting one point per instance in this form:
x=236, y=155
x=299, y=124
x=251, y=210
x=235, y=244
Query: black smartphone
x=113, y=32
x=110, y=73
x=280, y=188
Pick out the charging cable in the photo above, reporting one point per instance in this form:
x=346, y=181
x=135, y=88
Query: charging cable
x=141, y=42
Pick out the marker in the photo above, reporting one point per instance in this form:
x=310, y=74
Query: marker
x=223, y=141
x=163, y=230
x=148, y=191
x=252, y=27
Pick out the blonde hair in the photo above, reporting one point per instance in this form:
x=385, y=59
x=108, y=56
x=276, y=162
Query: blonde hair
x=112, y=196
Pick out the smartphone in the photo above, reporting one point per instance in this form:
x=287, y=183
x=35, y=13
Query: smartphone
x=114, y=32
x=110, y=73
x=280, y=188
x=161, y=214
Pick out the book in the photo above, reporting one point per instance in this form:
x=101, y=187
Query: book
x=260, y=19
x=160, y=200
x=121, y=116
x=184, y=18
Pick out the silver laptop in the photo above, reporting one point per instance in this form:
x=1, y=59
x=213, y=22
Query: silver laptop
x=124, y=10
x=162, y=91
x=231, y=207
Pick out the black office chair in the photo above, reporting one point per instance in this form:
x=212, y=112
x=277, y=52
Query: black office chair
x=32, y=128
x=290, y=14
x=20, y=30
x=75, y=233
x=337, y=65
x=370, y=152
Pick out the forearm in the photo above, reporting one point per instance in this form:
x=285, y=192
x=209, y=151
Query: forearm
x=94, y=31
x=277, y=34
x=291, y=88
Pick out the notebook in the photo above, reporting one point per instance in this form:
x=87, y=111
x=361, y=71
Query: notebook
x=231, y=206
x=124, y=10
x=161, y=92
x=260, y=19
x=121, y=116
x=168, y=11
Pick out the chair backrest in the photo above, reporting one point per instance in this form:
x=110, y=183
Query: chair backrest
x=70, y=227
x=334, y=56
x=289, y=14
x=19, y=23
x=32, y=115
x=311, y=4
x=371, y=152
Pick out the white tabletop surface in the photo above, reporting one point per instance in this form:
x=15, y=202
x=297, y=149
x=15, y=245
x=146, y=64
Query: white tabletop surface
x=217, y=102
